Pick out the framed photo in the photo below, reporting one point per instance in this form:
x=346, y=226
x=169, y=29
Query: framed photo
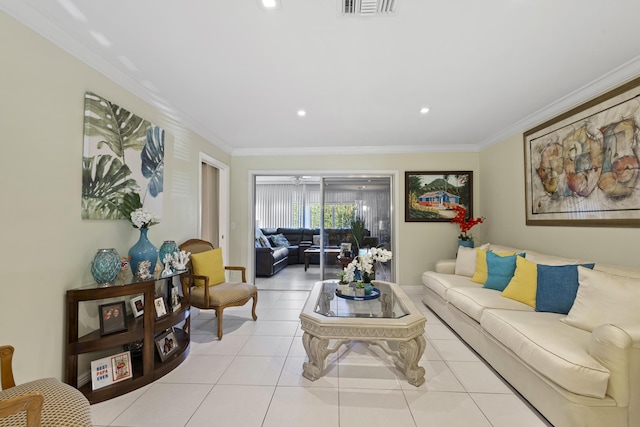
x=431, y=196
x=137, y=305
x=113, y=317
x=174, y=298
x=121, y=366
x=167, y=344
x=582, y=167
x=161, y=308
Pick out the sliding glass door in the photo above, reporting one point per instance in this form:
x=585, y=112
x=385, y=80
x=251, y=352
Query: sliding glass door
x=356, y=217
x=304, y=226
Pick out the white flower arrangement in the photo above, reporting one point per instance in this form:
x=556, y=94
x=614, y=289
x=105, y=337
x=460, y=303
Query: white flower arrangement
x=362, y=266
x=142, y=218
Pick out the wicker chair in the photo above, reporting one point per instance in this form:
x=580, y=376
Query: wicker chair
x=46, y=402
x=220, y=296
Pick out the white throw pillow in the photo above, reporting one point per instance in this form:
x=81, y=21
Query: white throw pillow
x=466, y=260
x=604, y=298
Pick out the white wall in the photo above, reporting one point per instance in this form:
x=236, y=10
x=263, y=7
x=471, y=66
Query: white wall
x=46, y=247
x=421, y=243
x=502, y=197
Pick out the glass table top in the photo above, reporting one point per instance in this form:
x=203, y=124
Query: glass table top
x=386, y=306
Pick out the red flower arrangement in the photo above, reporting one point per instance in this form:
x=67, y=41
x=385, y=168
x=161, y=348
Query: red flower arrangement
x=464, y=223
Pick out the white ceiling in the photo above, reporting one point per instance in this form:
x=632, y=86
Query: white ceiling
x=237, y=74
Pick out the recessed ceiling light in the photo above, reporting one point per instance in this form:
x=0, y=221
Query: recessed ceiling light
x=424, y=110
x=270, y=4
x=302, y=113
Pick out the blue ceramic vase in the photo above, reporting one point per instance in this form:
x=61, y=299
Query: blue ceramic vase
x=106, y=266
x=143, y=250
x=466, y=243
x=168, y=247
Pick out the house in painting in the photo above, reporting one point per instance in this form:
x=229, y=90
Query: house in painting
x=439, y=199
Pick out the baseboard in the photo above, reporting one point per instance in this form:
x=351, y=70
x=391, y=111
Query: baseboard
x=84, y=378
x=412, y=290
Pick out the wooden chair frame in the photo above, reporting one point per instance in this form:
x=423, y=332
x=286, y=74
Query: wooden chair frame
x=29, y=402
x=188, y=283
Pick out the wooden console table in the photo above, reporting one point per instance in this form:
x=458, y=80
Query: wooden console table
x=144, y=328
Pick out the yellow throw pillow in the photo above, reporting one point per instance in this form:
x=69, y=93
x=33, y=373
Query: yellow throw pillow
x=524, y=283
x=208, y=263
x=482, y=271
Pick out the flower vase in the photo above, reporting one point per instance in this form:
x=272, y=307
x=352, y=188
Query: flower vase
x=466, y=243
x=106, y=266
x=141, y=251
x=368, y=288
x=168, y=247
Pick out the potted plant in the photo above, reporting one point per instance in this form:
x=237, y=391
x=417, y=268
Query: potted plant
x=465, y=224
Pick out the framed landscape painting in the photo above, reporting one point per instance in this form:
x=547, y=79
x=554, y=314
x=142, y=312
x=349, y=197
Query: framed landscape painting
x=432, y=196
x=582, y=167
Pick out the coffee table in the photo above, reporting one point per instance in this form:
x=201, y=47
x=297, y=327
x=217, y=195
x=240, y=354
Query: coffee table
x=390, y=321
x=311, y=251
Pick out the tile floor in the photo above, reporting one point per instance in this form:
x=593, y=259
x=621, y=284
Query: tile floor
x=253, y=378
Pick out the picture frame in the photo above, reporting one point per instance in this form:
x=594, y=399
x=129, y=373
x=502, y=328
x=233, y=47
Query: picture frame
x=430, y=196
x=137, y=305
x=160, y=307
x=111, y=369
x=582, y=167
x=174, y=298
x=166, y=344
x=113, y=317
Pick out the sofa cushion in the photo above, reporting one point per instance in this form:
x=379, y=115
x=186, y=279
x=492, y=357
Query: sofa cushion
x=522, y=286
x=546, y=259
x=279, y=241
x=481, y=273
x=561, y=356
x=500, y=270
x=466, y=260
x=557, y=287
x=473, y=301
x=440, y=283
x=604, y=298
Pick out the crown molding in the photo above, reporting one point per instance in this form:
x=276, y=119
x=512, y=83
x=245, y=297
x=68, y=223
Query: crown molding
x=78, y=48
x=612, y=79
x=313, y=151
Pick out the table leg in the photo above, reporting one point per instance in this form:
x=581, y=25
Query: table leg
x=410, y=353
x=307, y=257
x=316, y=349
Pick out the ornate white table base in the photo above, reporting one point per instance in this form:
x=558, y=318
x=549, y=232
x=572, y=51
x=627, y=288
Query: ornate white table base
x=407, y=356
x=400, y=337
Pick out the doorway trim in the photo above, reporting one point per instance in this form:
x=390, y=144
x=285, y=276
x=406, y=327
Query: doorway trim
x=223, y=200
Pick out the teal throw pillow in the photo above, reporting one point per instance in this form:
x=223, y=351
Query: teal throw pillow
x=279, y=240
x=500, y=271
x=557, y=287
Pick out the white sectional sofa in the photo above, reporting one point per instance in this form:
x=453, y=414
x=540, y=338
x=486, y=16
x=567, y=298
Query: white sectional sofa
x=578, y=369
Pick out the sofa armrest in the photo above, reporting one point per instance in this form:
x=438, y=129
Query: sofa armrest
x=611, y=346
x=446, y=266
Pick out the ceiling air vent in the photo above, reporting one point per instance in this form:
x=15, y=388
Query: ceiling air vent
x=369, y=7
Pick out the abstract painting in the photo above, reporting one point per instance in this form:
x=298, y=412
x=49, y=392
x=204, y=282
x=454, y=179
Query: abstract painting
x=582, y=167
x=122, y=162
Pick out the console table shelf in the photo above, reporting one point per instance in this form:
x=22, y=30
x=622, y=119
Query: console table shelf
x=147, y=368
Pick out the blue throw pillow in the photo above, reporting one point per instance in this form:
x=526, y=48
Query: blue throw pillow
x=500, y=271
x=557, y=287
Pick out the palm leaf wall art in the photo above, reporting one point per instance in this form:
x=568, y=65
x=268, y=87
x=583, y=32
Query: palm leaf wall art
x=123, y=161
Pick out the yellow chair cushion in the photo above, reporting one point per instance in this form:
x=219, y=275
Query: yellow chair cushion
x=209, y=264
x=524, y=283
x=482, y=271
